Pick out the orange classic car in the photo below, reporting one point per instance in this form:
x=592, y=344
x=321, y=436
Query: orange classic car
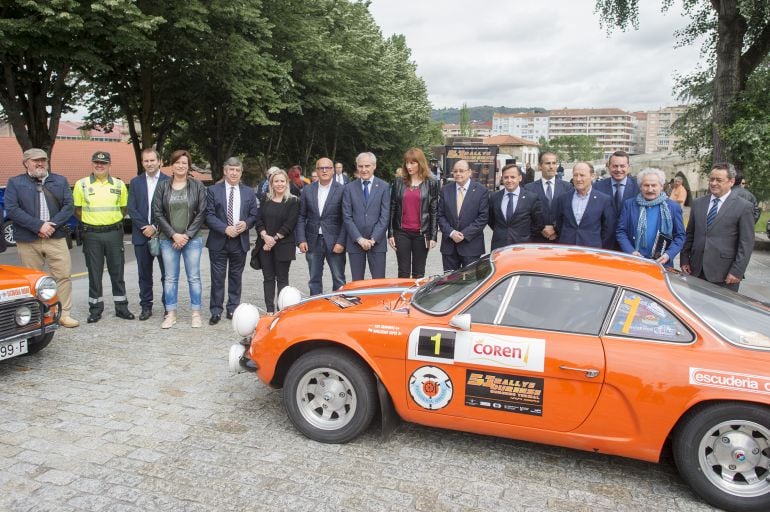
x=29, y=311
x=582, y=348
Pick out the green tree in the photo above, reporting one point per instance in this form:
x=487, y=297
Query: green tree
x=737, y=40
x=465, y=122
x=48, y=48
x=573, y=148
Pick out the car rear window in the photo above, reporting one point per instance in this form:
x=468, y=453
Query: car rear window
x=738, y=319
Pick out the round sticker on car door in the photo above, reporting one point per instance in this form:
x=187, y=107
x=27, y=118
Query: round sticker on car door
x=430, y=387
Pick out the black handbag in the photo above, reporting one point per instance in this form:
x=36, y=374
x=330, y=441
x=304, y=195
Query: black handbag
x=254, y=261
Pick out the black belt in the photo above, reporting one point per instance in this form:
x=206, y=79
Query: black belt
x=102, y=229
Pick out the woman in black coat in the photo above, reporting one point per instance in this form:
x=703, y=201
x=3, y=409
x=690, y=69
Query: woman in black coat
x=275, y=227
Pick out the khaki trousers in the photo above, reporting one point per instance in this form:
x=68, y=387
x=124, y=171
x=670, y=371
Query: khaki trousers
x=55, y=250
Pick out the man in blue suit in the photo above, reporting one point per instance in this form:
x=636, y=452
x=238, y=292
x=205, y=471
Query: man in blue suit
x=339, y=174
x=585, y=217
x=366, y=213
x=620, y=186
x=514, y=213
x=320, y=233
x=143, y=227
x=548, y=190
x=463, y=210
x=231, y=211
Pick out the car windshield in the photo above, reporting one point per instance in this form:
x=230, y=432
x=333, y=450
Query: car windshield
x=740, y=320
x=443, y=294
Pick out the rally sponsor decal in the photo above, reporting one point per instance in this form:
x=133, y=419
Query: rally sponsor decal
x=344, y=301
x=508, y=393
x=430, y=388
x=14, y=293
x=478, y=349
x=729, y=380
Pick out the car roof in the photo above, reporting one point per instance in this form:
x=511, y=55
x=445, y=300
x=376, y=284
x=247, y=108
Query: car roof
x=580, y=262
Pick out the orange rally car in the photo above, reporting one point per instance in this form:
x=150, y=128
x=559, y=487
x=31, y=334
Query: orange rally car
x=582, y=348
x=29, y=311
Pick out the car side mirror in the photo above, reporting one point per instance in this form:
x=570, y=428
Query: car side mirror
x=462, y=322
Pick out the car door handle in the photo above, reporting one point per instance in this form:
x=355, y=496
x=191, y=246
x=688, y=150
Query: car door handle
x=590, y=372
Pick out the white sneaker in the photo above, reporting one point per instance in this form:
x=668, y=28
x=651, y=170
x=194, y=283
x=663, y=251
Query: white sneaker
x=196, y=319
x=169, y=321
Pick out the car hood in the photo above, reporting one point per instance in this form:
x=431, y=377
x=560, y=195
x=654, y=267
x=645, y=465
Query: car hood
x=382, y=294
x=13, y=277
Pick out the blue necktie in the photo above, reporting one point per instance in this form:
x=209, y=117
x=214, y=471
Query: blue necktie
x=712, y=214
x=366, y=191
x=548, y=192
x=509, y=208
x=618, y=198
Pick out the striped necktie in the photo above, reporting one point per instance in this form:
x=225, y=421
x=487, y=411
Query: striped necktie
x=712, y=214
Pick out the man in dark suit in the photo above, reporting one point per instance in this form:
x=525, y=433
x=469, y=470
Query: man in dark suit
x=231, y=211
x=548, y=190
x=463, y=210
x=720, y=232
x=320, y=233
x=339, y=174
x=143, y=228
x=620, y=185
x=366, y=212
x=585, y=217
x=514, y=213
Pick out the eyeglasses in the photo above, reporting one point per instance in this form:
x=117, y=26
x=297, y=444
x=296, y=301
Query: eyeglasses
x=324, y=168
x=718, y=180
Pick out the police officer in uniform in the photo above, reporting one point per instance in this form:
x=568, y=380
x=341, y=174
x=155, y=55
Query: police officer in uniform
x=100, y=204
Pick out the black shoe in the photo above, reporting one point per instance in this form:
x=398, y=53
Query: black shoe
x=229, y=315
x=145, y=314
x=125, y=314
x=94, y=317
x=214, y=320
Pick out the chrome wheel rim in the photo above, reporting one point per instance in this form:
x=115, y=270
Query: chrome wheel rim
x=326, y=399
x=735, y=457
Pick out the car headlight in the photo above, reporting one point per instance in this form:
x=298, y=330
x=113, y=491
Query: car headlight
x=23, y=316
x=288, y=297
x=245, y=318
x=45, y=288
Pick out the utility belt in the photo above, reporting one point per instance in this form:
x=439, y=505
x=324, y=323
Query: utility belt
x=90, y=228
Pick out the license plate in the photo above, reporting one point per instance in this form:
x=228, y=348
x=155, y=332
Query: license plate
x=13, y=349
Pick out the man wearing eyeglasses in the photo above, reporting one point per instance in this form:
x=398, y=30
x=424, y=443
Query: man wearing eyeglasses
x=320, y=230
x=720, y=232
x=39, y=203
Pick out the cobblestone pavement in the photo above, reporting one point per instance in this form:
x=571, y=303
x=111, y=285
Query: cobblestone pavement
x=121, y=416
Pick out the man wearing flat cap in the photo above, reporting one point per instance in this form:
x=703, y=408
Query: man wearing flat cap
x=39, y=203
x=100, y=204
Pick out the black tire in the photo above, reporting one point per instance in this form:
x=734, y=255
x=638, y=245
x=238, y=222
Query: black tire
x=10, y=238
x=723, y=453
x=352, y=395
x=38, y=343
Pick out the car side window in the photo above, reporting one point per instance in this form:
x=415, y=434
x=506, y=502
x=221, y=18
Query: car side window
x=485, y=309
x=556, y=304
x=640, y=316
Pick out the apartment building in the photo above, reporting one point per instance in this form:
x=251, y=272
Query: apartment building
x=530, y=125
x=659, y=137
x=611, y=127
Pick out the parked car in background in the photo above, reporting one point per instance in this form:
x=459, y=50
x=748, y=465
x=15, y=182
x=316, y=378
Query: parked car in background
x=582, y=348
x=29, y=311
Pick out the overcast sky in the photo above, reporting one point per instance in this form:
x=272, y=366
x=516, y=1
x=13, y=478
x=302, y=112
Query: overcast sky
x=543, y=53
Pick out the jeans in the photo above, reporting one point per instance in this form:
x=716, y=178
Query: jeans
x=315, y=261
x=192, y=267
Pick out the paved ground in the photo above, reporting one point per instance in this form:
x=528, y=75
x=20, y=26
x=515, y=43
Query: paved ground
x=121, y=416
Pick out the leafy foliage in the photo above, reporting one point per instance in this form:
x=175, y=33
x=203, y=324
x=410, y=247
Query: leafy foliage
x=572, y=148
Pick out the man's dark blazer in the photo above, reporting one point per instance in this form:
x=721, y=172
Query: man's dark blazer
x=549, y=213
x=329, y=220
x=368, y=220
x=527, y=219
x=471, y=222
x=597, y=226
x=138, y=206
x=216, y=215
x=607, y=186
x=22, y=205
x=725, y=246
